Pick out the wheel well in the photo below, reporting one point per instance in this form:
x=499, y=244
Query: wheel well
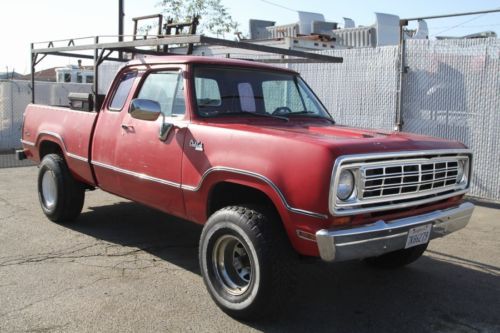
x=229, y=194
x=49, y=147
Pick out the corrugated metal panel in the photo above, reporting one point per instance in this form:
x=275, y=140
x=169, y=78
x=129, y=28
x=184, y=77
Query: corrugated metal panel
x=280, y=31
x=355, y=37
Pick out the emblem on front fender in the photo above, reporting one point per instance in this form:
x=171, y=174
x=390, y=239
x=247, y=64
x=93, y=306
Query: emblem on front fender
x=197, y=145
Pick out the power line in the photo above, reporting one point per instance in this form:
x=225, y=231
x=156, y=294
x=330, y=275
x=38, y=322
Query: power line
x=460, y=24
x=278, y=5
x=469, y=26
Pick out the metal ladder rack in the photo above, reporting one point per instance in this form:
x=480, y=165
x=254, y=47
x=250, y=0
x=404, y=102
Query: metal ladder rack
x=102, y=51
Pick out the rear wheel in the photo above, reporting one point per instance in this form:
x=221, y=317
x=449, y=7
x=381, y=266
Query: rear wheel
x=397, y=258
x=245, y=260
x=60, y=195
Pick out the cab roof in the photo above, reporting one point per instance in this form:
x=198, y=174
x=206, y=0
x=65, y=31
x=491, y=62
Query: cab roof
x=206, y=60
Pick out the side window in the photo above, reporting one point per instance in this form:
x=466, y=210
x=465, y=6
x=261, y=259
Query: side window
x=122, y=91
x=207, y=92
x=167, y=89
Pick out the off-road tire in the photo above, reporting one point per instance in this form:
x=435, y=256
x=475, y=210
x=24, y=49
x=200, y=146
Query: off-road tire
x=60, y=195
x=397, y=258
x=270, y=257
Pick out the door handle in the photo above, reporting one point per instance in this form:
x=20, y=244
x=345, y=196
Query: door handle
x=127, y=127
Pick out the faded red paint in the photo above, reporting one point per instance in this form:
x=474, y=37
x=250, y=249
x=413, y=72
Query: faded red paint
x=297, y=156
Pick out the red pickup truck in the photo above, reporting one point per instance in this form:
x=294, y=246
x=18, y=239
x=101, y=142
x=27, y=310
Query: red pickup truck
x=249, y=151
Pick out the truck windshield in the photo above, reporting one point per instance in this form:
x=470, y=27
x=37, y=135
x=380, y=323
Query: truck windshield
x=222, y=91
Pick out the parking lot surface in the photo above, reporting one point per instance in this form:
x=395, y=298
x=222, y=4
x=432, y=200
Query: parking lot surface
x=122, y=267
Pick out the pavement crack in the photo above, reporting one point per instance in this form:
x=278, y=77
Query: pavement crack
x=54, y=257
x=494, y=270
x=44, y=299
x=74, y=253
x=458, y=323
x=47, y=328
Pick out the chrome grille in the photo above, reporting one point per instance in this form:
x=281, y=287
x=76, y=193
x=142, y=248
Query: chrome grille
x=389, y=180
x=395, y=180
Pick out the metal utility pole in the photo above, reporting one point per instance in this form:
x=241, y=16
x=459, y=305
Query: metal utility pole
x=121, y=14
x=452, y=15
x=402, y=67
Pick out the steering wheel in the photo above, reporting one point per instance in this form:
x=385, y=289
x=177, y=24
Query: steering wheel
x=281, y=110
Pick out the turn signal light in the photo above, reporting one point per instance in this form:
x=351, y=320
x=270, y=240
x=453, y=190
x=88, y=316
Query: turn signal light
x=342, y=220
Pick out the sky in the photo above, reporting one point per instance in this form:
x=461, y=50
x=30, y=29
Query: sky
x=26, y=21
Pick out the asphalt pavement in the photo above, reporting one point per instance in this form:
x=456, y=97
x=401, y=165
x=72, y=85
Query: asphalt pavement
x=123, y=267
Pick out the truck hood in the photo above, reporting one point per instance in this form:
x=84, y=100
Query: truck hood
x=349, y=140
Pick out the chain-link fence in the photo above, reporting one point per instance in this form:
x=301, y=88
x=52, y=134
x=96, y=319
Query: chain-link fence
x=15, y=95
x=361, y=91
x=451, y=90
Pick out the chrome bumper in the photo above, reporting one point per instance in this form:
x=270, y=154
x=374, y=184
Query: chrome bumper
x=383, y=237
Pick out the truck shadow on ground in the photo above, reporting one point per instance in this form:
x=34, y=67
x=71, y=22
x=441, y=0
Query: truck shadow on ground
x=443, y=293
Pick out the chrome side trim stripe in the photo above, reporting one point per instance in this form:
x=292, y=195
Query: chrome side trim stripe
x=77, y=157
x=137, y=175
x=258, y=176
x=190, y=187
x=205, y=175
x=28, y=143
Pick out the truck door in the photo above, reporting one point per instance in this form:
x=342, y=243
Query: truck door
x=148, y=160
x=108, y=131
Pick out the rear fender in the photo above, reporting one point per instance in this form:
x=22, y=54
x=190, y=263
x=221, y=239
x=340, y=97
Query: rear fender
x=78, y=166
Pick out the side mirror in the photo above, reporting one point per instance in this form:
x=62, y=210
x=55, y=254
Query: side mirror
x=144, y=109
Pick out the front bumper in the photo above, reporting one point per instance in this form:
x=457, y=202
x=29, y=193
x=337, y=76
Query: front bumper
x=382, y=237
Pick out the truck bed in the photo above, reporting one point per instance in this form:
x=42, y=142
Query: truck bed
x=72, y=130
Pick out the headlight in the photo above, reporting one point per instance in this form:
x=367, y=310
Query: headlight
x=460, y=171
x=345, y=185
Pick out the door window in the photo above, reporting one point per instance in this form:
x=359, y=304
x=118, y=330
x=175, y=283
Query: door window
x=167, y=89
x=121, y=93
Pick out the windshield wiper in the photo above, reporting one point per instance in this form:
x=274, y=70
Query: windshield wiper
x=267, y=115
x=311, y=114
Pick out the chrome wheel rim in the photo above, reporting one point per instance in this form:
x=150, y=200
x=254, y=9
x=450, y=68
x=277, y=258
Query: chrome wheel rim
x=232, y=265
x=49, y=189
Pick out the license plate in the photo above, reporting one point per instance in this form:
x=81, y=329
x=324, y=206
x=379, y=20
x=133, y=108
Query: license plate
x=418, y=235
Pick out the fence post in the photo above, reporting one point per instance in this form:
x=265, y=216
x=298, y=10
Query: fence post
x=402, y=69
x=33, y=64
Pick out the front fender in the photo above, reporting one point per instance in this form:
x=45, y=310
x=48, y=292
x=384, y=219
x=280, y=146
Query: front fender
x=196, y=199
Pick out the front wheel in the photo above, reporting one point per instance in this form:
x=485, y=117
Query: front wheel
x=397, y=258
x=60, y=195
x=245, y=261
